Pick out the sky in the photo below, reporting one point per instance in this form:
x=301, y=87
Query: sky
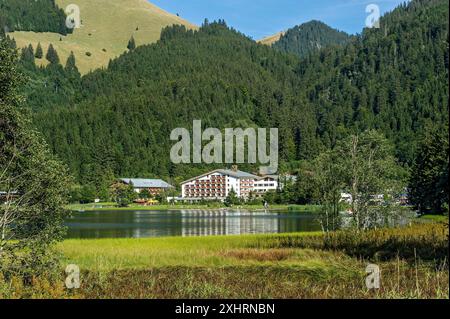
x=260, y=18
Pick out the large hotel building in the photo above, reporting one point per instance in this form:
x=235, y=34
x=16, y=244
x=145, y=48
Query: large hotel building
x=219, y=183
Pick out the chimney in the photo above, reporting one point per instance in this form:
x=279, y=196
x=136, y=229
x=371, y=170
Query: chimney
x=234, y=168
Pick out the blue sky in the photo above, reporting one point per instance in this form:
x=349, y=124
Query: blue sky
x=260, y=18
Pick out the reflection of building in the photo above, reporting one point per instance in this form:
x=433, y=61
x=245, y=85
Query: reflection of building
x=154, y=186
x=214, y=223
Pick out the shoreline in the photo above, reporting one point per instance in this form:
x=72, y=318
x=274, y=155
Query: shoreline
x=109, y=207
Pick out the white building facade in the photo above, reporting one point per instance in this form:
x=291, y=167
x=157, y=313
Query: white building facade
x=265, y=184
x=217, y=185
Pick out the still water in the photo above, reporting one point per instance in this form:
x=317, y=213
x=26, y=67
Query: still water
x=143, y=224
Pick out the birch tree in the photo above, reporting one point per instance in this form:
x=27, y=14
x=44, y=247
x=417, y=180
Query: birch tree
x=372, y=176
x=364, y=166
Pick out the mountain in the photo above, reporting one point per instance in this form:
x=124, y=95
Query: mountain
x=117, y=121
x=107, y=26
x=309, y=37
x=393, y=79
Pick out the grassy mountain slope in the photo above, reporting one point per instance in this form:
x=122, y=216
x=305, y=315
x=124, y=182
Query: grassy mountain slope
x=107, y=26
x=271, y=39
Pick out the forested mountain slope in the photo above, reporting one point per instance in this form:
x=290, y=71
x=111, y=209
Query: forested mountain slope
x=309, y=37
x=117, y=121
x=125, y=114
x=32, y=15
x=394, y=79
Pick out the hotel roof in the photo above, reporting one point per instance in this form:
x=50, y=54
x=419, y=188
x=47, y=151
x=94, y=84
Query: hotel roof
x=229, y=172
x=146, y=183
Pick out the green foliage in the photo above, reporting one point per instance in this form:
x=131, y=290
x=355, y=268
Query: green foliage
x=368, y=169
x=310, y=37
x=232, y=199
x=32, y=15
x=123, y=194
x=161, y=198
x=326, y=177
x=145, y=194
x=36, y=185
x=364, y=166
x=87, y=194
x=429, y=186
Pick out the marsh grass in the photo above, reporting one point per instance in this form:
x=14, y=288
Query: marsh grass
x=425, y=241
x=273, y=281
x=253, y=266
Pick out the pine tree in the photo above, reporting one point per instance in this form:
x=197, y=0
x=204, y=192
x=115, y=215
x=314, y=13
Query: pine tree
x=71, y=66
x=131, y=44
x=39, y=54
x=52, y=55
x=28, y=54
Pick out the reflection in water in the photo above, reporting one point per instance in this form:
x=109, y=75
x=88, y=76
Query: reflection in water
x=142, y=224
x=208, y=223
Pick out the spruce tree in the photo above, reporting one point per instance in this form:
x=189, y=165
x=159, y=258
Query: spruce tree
x=52, y=55
x=131, y=44
x=39, y=54
x=71, y=64
x=27, y=55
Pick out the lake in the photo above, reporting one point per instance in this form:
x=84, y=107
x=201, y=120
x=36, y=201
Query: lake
x=144, y=224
